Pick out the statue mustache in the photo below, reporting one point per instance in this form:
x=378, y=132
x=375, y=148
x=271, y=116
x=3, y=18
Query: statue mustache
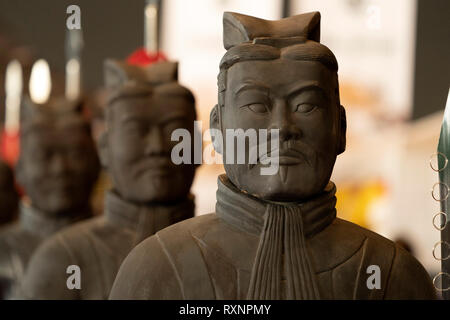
x=293, y=148
x=60, y=181
x=154, y=160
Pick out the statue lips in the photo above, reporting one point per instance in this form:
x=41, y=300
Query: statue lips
x=291, y=153
x=290, y=157
x=60, y=187
x=156, y=165
x=286, y=157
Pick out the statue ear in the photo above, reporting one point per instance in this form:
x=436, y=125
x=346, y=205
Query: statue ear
x=214, y=124
x=342, y=130
x=102, y=146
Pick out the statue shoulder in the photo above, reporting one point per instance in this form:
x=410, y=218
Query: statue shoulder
x=353, y=230
x=11, y=234
x=343, y=241
x=46, y=274
x=347, y=246
x=80, y=228
x=16, y=244
x=165, y=265
x=408, y=278
x=7, y=273
x=66, y=246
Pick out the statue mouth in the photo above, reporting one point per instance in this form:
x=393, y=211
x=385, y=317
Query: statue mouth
x=155, y=165
x=289, y=161
x=286, y=157
x=60, y=185
x=290, y=157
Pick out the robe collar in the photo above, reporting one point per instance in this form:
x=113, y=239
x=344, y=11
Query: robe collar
x=248, y=213
x=282, y=268
x=43, y=224
x=146, y=219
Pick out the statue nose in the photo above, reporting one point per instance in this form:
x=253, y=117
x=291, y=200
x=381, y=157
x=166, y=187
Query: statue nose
x=58, y=163
x=155, y=141
x=283, y=120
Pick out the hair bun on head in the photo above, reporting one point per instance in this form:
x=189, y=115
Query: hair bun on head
x=239, y=28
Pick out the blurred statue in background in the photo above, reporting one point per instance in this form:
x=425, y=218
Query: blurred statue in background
x=150, y=192
x=9, y=198
x=57, y=167
x=274, y=236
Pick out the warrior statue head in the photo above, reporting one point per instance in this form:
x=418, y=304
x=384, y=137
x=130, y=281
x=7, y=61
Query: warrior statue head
x=277, y=75
x=58, y=163
x=145, y=105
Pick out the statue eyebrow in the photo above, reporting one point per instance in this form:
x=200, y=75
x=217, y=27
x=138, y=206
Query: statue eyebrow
x=130, y=117
x=180, y=114
x=251, y=84
x=305, y=86
x=173, y=116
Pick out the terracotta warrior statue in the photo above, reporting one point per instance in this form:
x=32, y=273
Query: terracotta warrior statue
x=57, y=167
x=274, y=236
x=9, y=198
x=149, y=191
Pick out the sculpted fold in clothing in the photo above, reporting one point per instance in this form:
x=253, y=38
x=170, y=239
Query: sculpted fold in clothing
x=18, y=241
x=98, y=246
x=215, y=256
x=273, y=236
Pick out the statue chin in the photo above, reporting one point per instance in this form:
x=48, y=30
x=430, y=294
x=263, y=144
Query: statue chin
x=56, y=205
x=155, y=191
x=288, y=184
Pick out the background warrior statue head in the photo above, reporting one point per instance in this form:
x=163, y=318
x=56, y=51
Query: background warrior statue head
x=145, y=106
x=58, y=163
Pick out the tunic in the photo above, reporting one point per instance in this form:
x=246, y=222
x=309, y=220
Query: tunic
x=19, y=240
x=97, y=246
x=254, y=249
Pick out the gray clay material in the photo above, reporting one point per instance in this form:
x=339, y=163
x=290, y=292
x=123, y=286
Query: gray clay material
x=57, y=167
x=149, y=192
x=274, y=236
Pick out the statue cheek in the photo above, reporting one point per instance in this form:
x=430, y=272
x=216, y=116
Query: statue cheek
x=35, y=172
x=127, y=149
x=318, y=128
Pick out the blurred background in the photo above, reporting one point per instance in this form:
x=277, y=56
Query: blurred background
x=394, y=77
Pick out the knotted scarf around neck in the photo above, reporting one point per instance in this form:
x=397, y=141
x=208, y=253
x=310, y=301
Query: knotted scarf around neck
x=282, y=268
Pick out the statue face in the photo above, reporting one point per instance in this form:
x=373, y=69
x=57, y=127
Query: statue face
x=139, y=147
x=298, y=98
x=58, y=166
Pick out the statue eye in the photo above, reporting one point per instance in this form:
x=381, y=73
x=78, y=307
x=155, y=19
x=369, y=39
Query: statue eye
x=305, y=108
x=134, y=128
x=257, y=107
x=75, y=153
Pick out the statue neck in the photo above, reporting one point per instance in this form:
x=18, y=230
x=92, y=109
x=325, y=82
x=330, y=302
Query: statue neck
x=146, y=219
x=44, y=224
